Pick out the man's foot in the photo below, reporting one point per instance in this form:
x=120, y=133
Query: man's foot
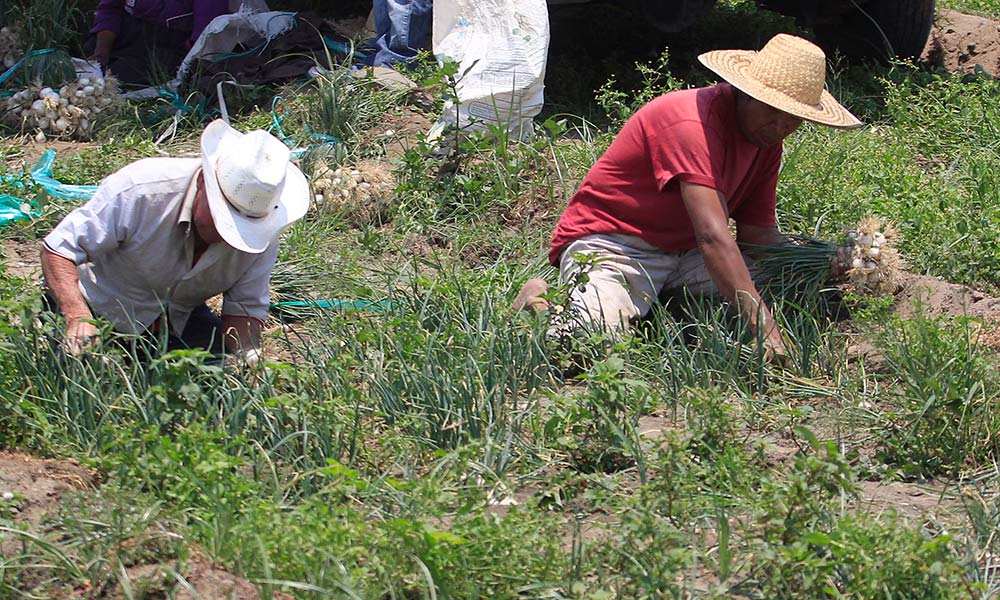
x=530, y=296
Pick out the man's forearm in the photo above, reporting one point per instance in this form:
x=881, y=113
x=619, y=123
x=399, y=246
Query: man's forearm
x=63, y=282
x=105, y=41
x=729, y=272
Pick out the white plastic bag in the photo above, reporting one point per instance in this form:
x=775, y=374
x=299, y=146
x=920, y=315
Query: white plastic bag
x=501, y=47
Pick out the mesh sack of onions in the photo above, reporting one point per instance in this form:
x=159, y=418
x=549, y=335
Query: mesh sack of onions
x=870, y=262
x=67, y=112
x=361, y=193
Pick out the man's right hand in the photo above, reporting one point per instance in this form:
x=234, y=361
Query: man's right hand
x=81, y=335
x=102, y=48
x=775, y=351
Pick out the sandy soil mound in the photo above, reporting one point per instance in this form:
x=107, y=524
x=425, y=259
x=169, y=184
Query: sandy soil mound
x=934, y=297
x=39, y=483
x=961, y=42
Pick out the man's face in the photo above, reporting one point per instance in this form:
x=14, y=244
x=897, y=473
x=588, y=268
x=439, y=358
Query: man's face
x=202, y=217
x=761, y=124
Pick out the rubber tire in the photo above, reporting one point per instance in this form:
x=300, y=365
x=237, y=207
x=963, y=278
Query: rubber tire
x=906, y=24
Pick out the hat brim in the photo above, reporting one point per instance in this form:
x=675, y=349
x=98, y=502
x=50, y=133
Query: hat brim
x=244, y=233
x=732, y=66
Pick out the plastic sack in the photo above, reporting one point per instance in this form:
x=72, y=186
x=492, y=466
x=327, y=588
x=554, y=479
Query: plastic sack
x=225, y=32
x=12, y=209
x=42, y=174
x=501, y=47
x=247, y=20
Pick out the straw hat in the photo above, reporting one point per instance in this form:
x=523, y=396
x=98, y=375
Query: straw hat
x=253, y=191
x=789, y=73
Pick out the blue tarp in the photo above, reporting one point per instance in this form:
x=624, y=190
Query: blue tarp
x=13, y=208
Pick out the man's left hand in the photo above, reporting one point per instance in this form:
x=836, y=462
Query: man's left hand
x=841, y=263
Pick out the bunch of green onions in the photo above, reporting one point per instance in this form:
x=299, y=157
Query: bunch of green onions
x=803, y=265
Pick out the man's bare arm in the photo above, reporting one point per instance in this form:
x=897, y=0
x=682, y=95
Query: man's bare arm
x=725, y=263
x=63, y=282
x=755, y=235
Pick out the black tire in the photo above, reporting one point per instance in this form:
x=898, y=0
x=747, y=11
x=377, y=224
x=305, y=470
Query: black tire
x=880, y=29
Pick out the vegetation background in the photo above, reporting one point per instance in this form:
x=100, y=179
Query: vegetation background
x=424, y=441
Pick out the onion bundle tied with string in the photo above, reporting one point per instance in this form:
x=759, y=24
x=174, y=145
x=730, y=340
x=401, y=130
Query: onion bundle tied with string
x=870, y=263
x=68, y=112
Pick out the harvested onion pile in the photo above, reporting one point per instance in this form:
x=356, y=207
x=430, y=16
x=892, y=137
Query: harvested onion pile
x=10, y=47
x=69, y=112
x=874, y=261
x=361, y=193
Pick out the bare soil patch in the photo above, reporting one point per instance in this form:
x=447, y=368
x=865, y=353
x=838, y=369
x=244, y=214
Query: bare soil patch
x=402, y=132
x=963, y=43
x=912, y=501
x=40, y=483
x=32, y=151
x=202, y=580
x=22, y=259
x=934, y=297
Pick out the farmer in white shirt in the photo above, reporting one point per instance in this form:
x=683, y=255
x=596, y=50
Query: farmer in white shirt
x=163, y=235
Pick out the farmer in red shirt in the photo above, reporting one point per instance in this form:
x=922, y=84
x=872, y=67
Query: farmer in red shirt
x=653, y=212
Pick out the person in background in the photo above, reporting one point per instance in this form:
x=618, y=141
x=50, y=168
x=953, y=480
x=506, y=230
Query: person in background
x=653, y=213
x=402, y=28
x=162, y=235
x=142, y=42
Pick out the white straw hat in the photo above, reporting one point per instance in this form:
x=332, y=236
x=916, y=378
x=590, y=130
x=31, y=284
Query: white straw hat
x=254, y=192
x=789, y=73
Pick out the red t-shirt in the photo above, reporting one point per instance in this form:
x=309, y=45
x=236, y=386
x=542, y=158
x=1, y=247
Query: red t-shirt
x=688, y=135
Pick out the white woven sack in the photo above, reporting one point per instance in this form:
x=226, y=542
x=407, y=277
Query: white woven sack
x=501, y=47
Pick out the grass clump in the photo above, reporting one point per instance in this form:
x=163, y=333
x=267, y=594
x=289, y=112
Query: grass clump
x=944, y=418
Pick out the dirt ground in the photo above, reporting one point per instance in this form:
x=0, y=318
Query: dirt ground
x=934, y=297
x=38, y=485
x=963, y=43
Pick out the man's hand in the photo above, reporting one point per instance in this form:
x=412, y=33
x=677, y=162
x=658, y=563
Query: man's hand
x=105, y=41
x=775, y=351
x=64, y=286
x=242, y=339
x=841, y=263
x=81, y=335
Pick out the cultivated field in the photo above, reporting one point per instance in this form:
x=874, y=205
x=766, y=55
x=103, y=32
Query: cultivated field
x=410, y=436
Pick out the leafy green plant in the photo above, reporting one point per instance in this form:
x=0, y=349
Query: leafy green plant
x=945, y=419
x=600, y=430
x=656, y=80
x=47, y=23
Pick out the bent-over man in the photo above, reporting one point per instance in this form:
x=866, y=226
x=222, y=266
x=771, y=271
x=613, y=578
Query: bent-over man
x=162, y=235
x=653, y=213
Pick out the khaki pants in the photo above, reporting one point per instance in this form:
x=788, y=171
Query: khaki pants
x=626, y=275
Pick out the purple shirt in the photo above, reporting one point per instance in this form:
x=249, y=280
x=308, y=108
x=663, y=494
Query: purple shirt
x=183, y=15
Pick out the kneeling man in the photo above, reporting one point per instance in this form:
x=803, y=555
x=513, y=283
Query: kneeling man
x=653, y=213
x=162, y=235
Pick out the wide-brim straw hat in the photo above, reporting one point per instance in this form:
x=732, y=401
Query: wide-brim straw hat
x=254, y=191
x=789, y=73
